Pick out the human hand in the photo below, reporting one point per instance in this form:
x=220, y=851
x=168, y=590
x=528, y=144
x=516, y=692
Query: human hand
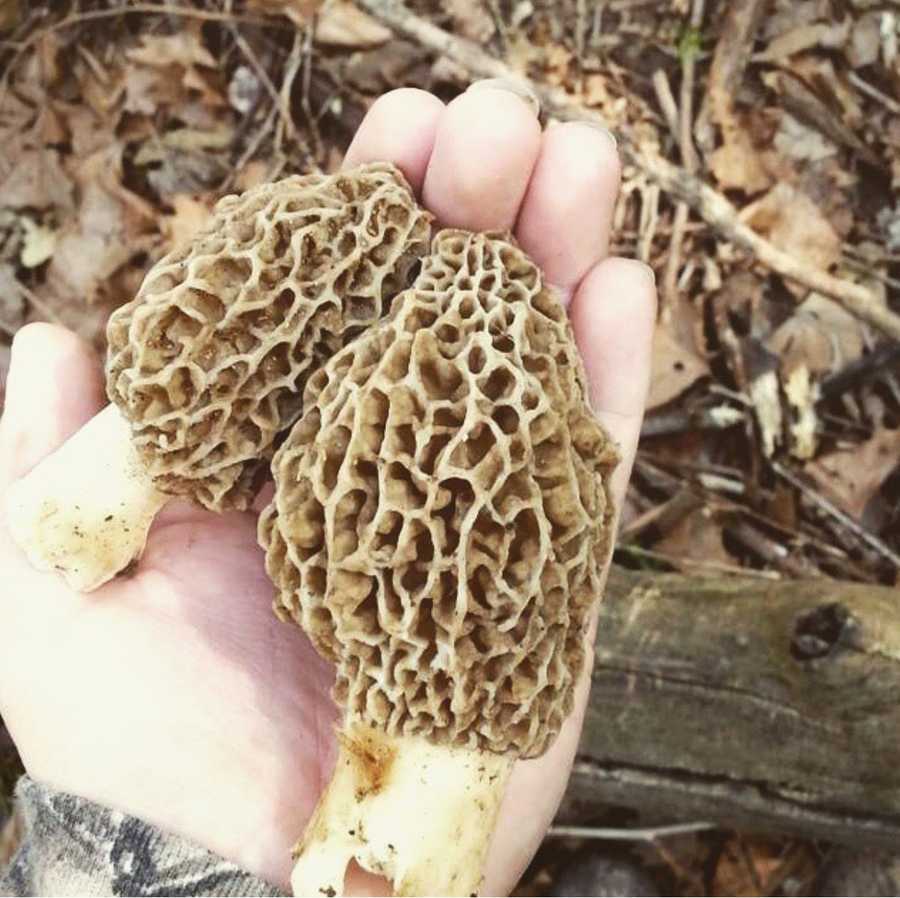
x=174, y=693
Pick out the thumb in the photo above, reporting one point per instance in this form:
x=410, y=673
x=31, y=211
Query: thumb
x=55, y=386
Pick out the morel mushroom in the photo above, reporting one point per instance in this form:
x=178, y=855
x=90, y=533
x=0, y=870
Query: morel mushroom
x=206, y=365
x=441, y=518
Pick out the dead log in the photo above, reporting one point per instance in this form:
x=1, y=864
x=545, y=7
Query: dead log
x=754, y=704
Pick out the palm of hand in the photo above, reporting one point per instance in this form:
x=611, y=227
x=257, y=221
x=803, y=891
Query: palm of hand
x=175, y=693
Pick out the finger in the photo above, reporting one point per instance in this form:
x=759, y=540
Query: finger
x=55, y=386
x=613, y=315
x=567, y=212
x=399, y=127
x=485, y=148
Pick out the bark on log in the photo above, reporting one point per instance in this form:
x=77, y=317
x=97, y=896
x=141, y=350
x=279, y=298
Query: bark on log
x=756, y=704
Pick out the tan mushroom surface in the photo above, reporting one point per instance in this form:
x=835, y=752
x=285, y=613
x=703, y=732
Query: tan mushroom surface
x=441, y=519
x=206, y=365
x=208, y=361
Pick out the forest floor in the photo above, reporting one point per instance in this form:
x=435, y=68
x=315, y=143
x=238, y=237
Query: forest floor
x=761, y=141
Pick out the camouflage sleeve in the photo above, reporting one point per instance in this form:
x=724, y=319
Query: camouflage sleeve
x=72, y=846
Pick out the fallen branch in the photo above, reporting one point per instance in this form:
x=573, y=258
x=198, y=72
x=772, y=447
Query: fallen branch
x=708, y=203
x=755, y=704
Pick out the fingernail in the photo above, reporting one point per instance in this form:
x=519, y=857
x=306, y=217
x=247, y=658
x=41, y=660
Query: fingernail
x=520, y=89
x=598, y=126
x=651, y=274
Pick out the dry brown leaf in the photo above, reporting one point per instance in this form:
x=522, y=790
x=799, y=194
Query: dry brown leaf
x=184, y=48
x=191, y=213
x=88, y=130
x=251, y=175
x=696, y=537
x=821, y=335
x=803, y=37
x=32, y=177
x=797, y=141
x=736, y=164
x=146, y=89
x=100, y=91
x=49, y=128
x=852, y=477
x=795, y=225
x=557, y=62
x=747, y=865
x=675, y=368
x=595, y=91
x=342, y=24
x=784, y=15
x=10, y=12
x=112, y=224
x=865, y=40
x=170, y=70
x=471, y=19
x=300, y=12
x=820, y=75
x=818, y=339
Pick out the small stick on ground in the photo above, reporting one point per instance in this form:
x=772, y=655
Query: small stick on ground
x=873, y=92
x=666, y=100
x=709, y=204
x=726, y=71
x=301, y=55
x=859, y=531
x=636, y=834
x=689, y=161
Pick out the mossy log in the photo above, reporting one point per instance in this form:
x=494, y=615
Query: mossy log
x=751, y=703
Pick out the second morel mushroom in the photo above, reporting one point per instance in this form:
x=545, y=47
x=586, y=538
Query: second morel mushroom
x=441, y=519
x=206, y=365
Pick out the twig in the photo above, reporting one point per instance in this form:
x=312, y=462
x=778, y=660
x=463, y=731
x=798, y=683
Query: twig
x=750, y=867
x=649, y=219
x=664, y=516
x=252, y=58
x=689, y=161
x=679, y=420
x=686, y=117
x=714, y=208
x=737, y=31
x=772, y=553
x=860, y=370
x=643, y=834
x=251, y=148
x=580, y=29
x=874, y=92
x=666, y=100
x=868, y=538
x=805, y=105
x=301, y=53
x=717, y=567
x=49, y=313
x=500, y=25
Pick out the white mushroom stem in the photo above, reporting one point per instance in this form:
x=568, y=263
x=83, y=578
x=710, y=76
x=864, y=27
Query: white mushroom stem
x=419, y=814
x=85, y=510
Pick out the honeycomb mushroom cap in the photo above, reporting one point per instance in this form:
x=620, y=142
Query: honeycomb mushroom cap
x=442, y=510
x=209, y=360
